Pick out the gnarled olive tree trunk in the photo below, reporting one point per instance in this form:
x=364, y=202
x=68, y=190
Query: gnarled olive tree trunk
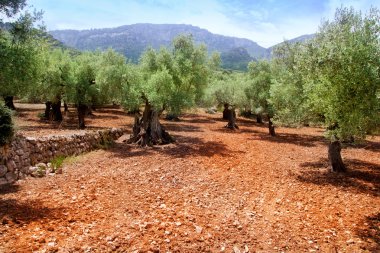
x=231, y=117
x=8, y=100
x=147, y=130
x=56, y=109
x=271, y=127
x=226, y=111
x=47, y=114
x=259, y=118
x=335, y=157
x=81, y=109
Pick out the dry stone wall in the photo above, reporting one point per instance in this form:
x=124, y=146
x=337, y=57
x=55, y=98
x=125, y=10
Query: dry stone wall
x=18, y=158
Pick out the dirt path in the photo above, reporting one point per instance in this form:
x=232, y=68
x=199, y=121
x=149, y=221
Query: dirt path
x=212, y=191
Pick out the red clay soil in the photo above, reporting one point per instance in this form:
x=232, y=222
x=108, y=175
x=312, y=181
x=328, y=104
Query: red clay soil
x=214, y=190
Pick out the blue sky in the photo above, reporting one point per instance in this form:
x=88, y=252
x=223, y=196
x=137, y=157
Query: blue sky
x=266, y=22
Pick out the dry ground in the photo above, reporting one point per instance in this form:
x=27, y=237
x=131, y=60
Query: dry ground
x=214, y=190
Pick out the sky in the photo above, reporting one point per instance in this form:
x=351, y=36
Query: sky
x=266, y=22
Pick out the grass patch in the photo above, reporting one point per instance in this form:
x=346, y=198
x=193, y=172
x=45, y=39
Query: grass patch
x=57, y=162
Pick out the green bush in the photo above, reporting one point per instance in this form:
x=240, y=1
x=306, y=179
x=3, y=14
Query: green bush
x=6, y=125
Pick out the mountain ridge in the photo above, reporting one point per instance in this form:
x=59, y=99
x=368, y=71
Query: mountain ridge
x=132, y=40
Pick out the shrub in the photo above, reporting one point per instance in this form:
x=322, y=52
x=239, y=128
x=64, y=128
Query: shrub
x=6, y=125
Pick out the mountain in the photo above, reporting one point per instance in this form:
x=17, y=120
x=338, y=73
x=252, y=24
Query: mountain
x=132, y=40
x=7, y=26
x=301, y=39
x=236, y=58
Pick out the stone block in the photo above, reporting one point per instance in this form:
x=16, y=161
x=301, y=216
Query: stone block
x=11, y=165
x=3, y=181
x=11, y=177
x=3, y=170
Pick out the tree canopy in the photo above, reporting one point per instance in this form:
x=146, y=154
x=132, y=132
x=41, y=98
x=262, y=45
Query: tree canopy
x=11, y=7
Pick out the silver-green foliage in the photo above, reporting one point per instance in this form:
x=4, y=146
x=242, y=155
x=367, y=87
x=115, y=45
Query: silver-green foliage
x=287, y=92
x=21, y=56
x=57, y=75
x=111, y=75
x=227, y=88
x=258, y=90
x=168, y=79
x=344, y=73
x=82, y=89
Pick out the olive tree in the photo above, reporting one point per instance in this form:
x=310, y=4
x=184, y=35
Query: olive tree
x=288, y=95
x=112, y=73
x=57, y=76
x=227, y=89
x=21, y=58
x=165, y=80
x=258, y=91
x=344, y=77
x=82, y=90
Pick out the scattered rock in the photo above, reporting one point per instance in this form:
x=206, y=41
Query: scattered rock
x=236, y=249
x=198, y=229
x=3, y=181
x=3, y=170
x=11, y=177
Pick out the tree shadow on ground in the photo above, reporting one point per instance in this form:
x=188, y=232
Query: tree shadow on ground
x=114, y=111
x=180, y=127
x=371, y=233
x=361, y=177
x=14, y=212
x=102, y=116
x=195, y=119
x=192, y=146
x=368, y=145
x=23, y=112
x=290, y=138
x=183, y=147
x=9, y=188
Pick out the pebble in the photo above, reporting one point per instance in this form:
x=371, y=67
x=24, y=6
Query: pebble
x=236, y=249
x=51, y=244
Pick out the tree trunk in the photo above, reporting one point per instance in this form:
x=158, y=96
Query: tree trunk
x=147, y=130
x=226, y=111
x=259, y=118
x=231, y=116
x=89, y=110
x=47, y=110
x=81, y=108
x=65, y=106
x=9, y=102
x=271, y=127
x=335, y=157
x=172, y=117
x=56, y=109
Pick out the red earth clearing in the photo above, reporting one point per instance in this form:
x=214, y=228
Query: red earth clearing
x=213, y=190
